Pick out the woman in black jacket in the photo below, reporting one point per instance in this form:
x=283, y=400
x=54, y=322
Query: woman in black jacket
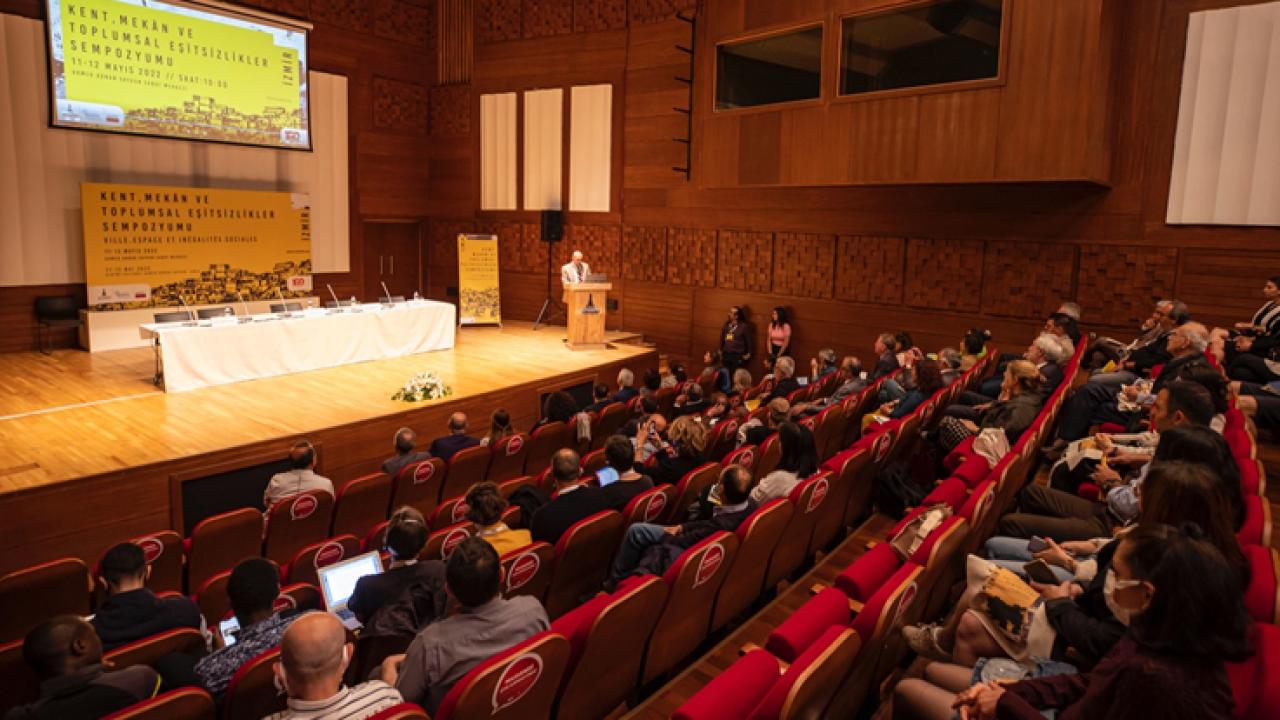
x=1251, y=344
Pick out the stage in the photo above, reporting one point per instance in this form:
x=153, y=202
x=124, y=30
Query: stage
x=86, y=439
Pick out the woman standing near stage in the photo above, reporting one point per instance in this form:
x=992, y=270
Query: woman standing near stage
x=736, y=340
x=779, y=336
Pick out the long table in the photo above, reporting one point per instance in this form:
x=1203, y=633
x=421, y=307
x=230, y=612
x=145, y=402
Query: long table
x=232, y=349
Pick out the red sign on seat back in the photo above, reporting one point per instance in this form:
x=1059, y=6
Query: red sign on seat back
x=516, y=680
x=709, y=564
x=152, y=548
x=302, y=507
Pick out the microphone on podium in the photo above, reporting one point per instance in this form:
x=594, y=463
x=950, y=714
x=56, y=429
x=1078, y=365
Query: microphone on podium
x=387, y=299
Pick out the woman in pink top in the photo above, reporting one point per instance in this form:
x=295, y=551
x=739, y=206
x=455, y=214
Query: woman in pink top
x=779, y=335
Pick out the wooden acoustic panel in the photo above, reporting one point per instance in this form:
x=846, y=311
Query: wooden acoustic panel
x=869, y=269
x=745, y=260
x=802, y=264
x=944, y=274
x=1120, y=282
x=595, y=15
x=354, y=15
x=691, y=257
x=497, y=21
x=645, y=11
x=547, y=17
x=599, y=243
x=450, y=113
x=400, y=105
x=405, y=22
x=1022, y=278
x=519, y=246
x=644, y=253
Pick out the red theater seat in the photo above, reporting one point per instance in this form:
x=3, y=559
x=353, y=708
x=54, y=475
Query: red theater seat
x=746, y=456
x=299, y=596
x=361, y=504
x=466, y=468
x=212, y=599
x=1257, y=522
x=734, y=693
x=376, y=538
x=770, y=454
x=972, y=470
x=758, y=535
x=441, y=543
x=649, y=506
x=607, y=422
x=527, y=571
x=855, y=478
x=507, y=460
x=515, y=684
x=600, y=678
x=878, y=623
x=219, y=542
x=592, y=462
x=32, y=595
x=693, y=580
x=951, y=492
x=186, y=703
x=403, y=711
x=1254, y=684
x=147, y=650
x=792, y=549
x=1262, y=597
x=583, y=555
x=721, y=439
x=296, y=522
x=543, y=443
x=306, y=563
x=163, y=551
x=252, y=693
x=690, y=488
x=418, y=484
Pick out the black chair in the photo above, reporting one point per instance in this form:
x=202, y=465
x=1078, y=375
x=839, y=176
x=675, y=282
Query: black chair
x=287, y=307
x=55, y=311
x=173, y=317
x=215, y=312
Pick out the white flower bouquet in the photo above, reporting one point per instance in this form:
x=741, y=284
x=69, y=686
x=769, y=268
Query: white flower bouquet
x=423, y=386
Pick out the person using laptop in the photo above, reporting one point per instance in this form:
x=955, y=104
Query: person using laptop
x=338, y=582
x=314, y=654
x=411, y=593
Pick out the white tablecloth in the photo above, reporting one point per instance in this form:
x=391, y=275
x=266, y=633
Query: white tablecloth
x=225, y=352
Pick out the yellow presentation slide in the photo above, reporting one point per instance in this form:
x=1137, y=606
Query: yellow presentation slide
x=168, y=69
x=149, y=245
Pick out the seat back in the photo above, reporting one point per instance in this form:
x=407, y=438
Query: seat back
x=252, y=693
x=301, y=597
x=825, y=501
x=361, y=503
x=758, y=535
x=806, y=688
x=693, y=581
x=583, y=555
x=507, y=460
x=418, y=484
x=403, y=711
x=650, y=505
x=441, y=543
x=593, y=461
x=527, y=571
x=306, y=563
x=939, y=555
x=515, y=684
x=211, y=598
x=187, y=703
x=376, y=537
x=163, y=551
x=722, y=439
x=746, y=456
x=979, y=511
x=219, y=542
x=449, y=512
x=793, y=547
x=690, y=488
x=296, y=522
x=1262, y=597
x=666, y=400
x=1253, y=681
x=21, y=684
x=543, y=443
x=878, y=624
x=147, y=650
x=607, y=422
x=32, y=595
x=770, y=456
x=466, y=468
x=857, y=482
x=599, y=677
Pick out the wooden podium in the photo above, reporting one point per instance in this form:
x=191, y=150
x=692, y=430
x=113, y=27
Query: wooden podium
x=585, y=306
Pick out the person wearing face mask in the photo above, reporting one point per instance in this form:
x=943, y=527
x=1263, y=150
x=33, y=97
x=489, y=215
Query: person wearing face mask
x=1184, y=617
x=314, y=654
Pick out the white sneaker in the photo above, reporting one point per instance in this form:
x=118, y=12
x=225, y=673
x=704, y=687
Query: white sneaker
x=923, y=641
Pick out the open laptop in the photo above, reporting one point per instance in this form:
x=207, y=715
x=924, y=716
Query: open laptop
x=338, y=582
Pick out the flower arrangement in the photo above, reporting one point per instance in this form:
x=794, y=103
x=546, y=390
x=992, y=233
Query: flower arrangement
x=423, y=386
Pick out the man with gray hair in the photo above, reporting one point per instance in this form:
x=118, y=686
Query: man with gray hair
x=406, y=454
x=626, y=379
x=574, y=271
x=886, y=348
x=457, y=439
x=1148, y=350
x=784, y=381
x=1047, y=354
x=823, y=365
x=314, y=654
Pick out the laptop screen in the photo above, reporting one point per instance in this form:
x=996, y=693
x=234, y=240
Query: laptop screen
x=338, y=580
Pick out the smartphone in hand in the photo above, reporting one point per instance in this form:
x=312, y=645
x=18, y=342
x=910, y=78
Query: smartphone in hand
x=1039, y=571
x=1037, y=544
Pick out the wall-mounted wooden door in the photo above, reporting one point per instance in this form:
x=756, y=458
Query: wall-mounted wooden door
x=392, y=256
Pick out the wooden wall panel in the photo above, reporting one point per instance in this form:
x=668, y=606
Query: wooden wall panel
x=405, y=22
x=399, y=105
x=455, y=46
x=1026, y=279
x=802, y=264
x=547, y=17
x=644, y=254
x=593, y=15
x=662, y=312
x=744, y=260
x=645, y=11
x=870, y=269
x=450, y=110
x=601, y=244
x=943, y=274
x=691, y=257
x=18, y=316
x=958, y=135
x=355, y=15
x=519, y=246
x=497, y=20
x=1120, y=282
x=1225, y=287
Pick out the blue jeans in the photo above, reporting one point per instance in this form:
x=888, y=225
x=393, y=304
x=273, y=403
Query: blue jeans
x=639, y=537
x=891, y=390
x=1012, y=553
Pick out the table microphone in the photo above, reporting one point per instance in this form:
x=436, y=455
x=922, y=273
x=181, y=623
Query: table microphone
x=191, y=316
x=337, y=304
x=284, y=306
x=388, y=292
x=245, y=307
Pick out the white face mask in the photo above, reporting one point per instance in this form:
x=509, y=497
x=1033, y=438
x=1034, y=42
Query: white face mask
x=1109, y=588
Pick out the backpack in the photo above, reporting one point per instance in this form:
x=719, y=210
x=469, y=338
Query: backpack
x=895, y=490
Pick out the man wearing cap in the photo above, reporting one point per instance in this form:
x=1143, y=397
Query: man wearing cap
x=755, y=432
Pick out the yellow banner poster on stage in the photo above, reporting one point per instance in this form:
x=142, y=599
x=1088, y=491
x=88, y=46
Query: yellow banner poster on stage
x=478, y=302
x=148, y=245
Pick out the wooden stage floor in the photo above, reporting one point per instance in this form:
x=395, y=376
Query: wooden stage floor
x=77, y=414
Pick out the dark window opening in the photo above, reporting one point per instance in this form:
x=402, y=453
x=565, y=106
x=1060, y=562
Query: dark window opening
x=775, y=69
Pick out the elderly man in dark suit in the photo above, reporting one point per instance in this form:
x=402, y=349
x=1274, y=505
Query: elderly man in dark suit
x=457, y=439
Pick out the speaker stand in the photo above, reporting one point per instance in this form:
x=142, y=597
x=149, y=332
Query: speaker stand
x=550, y=306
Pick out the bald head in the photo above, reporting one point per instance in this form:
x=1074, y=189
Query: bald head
x=313, y=656
x=458, y=423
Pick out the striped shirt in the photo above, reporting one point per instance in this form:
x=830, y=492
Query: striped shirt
x=351, y=703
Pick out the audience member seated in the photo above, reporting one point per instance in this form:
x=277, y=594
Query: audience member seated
x=599, y=398
x=719, y=408
x=626, y=379
x=647, y=443
x=652, y=383
x=300, y=478
x=405, y=456
x=131, y=611
x=1077, y=615
x=486, y=625
x=679, y=453
x=499, y=427
x=574, y=500
x=1070, y=309
x=886, y=348
x=851, y=382
x=974, y=345
x=485, y=506
x=721, y=378
x=920, y=381
x=410, y=593
x=691, y=402
x=756, y=430
x=737, y=339
x=558, y=407
x=905, y=346
x=1250, y=348
x=822, y=365
x=1173, y=592
x=650, y=548
x=1064, y=328
x=252, y=588
x=457, y=439
x=1013, y=411
x=676, y=375
x=949, y=361
x=314, y=654
x=784, y=381
x=1047, y=354
x=66, y=654
x=620, y=455
x=1097, y=403
x=779, y=336
x=798, y=460
x=1115, y=363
